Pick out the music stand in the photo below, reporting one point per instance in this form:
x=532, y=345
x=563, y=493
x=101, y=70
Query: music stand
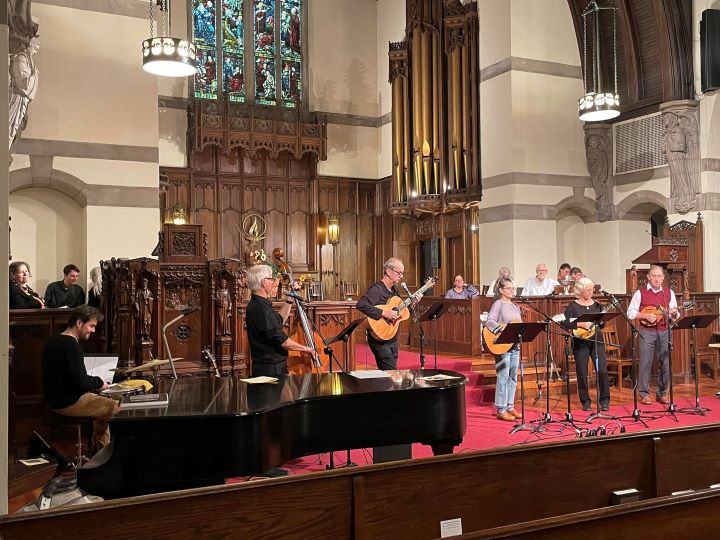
x=597, y=319
x=519, y=333
x=343, y=336
x=433, y=313
x=693, y=322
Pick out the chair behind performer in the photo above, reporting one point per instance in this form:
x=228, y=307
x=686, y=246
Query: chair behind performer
x=316, y=290
x=348, y=290
x=615, y=362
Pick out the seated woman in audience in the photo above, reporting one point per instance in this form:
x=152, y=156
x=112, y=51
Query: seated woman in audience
x=21, y=295
x=461, y=290
x=504, y=272
x=502, y=312
x=592, y=348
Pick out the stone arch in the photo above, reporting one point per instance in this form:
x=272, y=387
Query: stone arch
x=641, y=203
x=54, y=179
x=582, y=206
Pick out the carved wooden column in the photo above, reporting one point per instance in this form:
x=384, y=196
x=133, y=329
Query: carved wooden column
x=226, y=278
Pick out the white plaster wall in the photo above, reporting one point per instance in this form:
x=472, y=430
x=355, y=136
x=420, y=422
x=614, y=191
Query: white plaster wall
x=495, y=31
x=496, y=249
x=496, y=126
x=602, y=260
x=633, y=241
x=109, y=172
x=92, y=87
x=119, y=232
x=343, y=56
x=543, y=31
x=390, y=27
x=534, y=242
x=546, y=134
x=47, y=233
x=710, y=182
x=352, y=151
x=172, y=145
x=712, y=250
x=384, y=165
x=660, y=186
x=570, y=238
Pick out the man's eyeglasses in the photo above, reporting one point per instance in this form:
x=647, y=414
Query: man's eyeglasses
x=396, y=272
x=270, y=278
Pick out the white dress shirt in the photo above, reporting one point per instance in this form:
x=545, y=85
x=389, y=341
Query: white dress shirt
x=634, y=306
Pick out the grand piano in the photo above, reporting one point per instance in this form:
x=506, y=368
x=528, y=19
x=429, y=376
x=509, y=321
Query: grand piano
x=218, y=428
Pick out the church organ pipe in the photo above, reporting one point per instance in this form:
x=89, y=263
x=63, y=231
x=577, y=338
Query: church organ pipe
x=435, y=112
x=465, y=107
x=474, y=110
x=426, y=101
x=406, y=134
x=457, y=115
x=415, y=68
x=397, y=142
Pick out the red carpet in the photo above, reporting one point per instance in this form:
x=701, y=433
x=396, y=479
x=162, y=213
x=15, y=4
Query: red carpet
x=485, y=431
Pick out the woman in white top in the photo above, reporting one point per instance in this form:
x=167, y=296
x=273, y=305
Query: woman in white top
x=504, y=272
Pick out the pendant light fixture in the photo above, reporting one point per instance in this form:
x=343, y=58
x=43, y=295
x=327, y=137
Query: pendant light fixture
x=164, y=55
x=601, y=101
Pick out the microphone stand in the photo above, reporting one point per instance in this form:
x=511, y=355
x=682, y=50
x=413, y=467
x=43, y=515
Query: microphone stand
x=186, y=311
x=421, y=332
x=549, y=362
x=634, y=332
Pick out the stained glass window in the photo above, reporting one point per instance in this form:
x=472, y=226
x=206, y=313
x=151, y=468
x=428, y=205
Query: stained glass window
x=233, y=50
x=290, y=52
x=227, y=38
x=204, y=37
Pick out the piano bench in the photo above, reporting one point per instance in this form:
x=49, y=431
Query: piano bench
x=56, y=422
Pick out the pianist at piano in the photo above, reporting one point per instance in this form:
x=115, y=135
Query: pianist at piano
x=69, y=390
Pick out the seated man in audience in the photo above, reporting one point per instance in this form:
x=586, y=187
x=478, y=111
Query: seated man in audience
x=461, y=290
x=66, y=292
x=540, y=284
x=576, y=274
x=69, y=390
x=563, y=272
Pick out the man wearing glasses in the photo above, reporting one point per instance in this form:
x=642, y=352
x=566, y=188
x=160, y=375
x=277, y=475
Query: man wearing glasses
x=540, y=284
x=269, y=345
x=385, y=352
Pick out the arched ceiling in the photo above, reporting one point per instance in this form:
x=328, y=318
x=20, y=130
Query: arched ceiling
x=654, y=46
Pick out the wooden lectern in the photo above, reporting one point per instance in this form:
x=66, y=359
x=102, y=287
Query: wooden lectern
x=671, y=254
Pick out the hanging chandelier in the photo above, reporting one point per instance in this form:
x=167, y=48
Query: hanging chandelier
x=598, y=103
x=164, y=55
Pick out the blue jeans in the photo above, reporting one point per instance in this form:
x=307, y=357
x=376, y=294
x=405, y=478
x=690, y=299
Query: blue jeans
x=506, y=366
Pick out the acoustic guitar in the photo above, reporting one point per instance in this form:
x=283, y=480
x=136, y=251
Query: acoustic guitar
x=661, y=312
x=385, y=330
x=491, y=335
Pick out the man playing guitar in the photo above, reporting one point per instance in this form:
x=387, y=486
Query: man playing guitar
x=653, y=329
x=385, y=352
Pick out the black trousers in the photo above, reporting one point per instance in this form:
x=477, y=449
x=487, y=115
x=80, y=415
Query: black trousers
x=584, y=351
x=385, y=352
x=269, y=370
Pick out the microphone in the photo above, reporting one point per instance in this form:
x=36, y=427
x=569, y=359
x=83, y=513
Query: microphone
x=605, y=292
x=294, y=296
x=405, y=288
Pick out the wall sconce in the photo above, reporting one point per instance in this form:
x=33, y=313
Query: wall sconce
x=333, y=229
x=474, y=227
x=178, y=215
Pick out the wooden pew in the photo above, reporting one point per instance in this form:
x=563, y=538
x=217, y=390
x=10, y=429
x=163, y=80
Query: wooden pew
x=408, y=499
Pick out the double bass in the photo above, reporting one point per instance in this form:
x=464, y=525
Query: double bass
x=302, y=331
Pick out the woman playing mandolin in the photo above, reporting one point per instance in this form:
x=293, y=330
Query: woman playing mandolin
x=502, y=312
x=587, y=343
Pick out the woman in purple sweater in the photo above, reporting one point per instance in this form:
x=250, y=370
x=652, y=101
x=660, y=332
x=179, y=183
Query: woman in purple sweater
x=506, y=365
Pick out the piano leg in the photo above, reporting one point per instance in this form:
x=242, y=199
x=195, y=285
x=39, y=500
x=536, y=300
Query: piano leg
x=440, y=448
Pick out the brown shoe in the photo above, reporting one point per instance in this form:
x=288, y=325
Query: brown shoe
x=505, y=416
x=515, y=413
x=662, y=399
x=645, y=400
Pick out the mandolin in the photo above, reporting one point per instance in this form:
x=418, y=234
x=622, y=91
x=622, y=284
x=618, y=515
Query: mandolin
x=385, y=330
x=587, y=333
x=661, y=312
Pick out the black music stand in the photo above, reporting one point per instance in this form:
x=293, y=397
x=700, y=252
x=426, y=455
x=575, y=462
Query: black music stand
x=343, y=336
x=433, y=313
x=519, y=333
x=597, y=319
x=693, y=322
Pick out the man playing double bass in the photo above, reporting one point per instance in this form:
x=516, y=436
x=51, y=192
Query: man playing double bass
x=385, y=352
x=269, y=345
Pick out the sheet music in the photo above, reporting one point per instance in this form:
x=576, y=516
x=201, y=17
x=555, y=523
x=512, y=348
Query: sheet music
x=101, y=366
x=370, y=374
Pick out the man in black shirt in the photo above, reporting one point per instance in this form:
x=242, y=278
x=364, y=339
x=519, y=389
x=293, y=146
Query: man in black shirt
x=269, y=345
x=69, y=390
x=385, y=352
x=66, y=292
